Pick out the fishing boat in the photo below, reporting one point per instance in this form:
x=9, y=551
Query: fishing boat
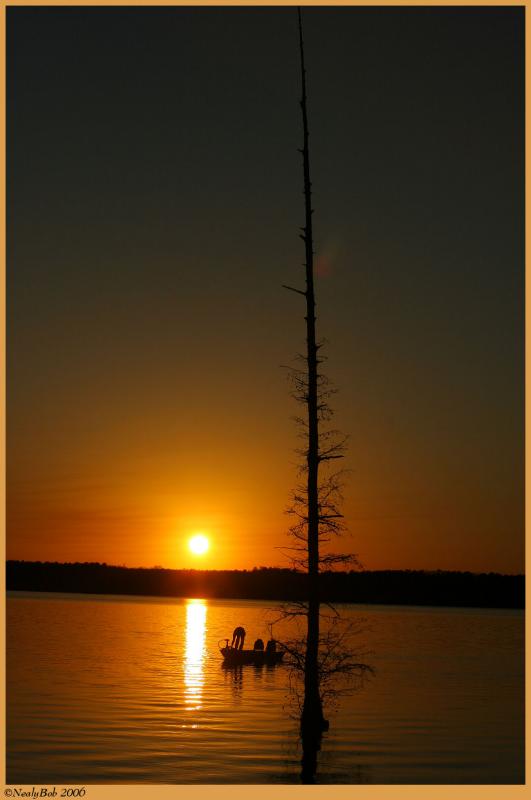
x=233, y=657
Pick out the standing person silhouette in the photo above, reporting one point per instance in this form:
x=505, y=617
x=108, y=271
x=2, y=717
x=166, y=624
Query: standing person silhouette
x=238, y=638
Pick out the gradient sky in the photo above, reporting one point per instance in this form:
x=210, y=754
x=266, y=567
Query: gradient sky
x=154, y=199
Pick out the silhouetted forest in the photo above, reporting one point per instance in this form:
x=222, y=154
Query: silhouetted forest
x=397, y=587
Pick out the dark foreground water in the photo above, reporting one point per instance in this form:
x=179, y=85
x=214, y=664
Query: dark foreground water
x=105, y=689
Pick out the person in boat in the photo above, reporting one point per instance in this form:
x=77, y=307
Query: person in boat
x=271, y=647
x=238, y=638
x=258, y=645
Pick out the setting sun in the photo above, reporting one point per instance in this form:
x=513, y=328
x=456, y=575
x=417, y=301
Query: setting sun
x=198, y=544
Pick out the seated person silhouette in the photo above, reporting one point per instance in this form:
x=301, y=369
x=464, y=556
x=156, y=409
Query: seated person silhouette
x=238, y=638
x=271, y=646
x=258, y=645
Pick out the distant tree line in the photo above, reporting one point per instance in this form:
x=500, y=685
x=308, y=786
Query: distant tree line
x=393, y=587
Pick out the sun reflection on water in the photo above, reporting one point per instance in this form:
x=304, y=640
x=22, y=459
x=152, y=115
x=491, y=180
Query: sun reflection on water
x=194, y=655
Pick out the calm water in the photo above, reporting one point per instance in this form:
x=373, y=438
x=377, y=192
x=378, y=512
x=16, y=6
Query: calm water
x=103, y=690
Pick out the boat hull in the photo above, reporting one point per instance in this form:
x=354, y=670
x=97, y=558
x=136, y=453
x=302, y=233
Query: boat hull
x=232, y=657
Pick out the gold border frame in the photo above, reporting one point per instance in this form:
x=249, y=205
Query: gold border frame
x=216, y=792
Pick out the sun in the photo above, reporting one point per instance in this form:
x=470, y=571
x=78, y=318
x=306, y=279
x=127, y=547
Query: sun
x=198, y=544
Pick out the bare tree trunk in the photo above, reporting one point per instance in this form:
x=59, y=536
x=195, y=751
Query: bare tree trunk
x=311, y=745
x=312, y=710
x=311, y=350
x=318, y=658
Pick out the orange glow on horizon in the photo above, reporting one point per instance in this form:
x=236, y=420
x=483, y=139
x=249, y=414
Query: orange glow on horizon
x=136, y=516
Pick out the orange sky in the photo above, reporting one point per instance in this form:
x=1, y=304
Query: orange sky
x=135, y=496
x=147, y=252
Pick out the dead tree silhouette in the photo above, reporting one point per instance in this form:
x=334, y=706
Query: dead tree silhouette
x=316, y=500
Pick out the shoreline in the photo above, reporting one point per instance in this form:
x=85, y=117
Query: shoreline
x=436, y=589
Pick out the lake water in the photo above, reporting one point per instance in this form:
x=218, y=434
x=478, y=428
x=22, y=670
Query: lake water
x=123, y=690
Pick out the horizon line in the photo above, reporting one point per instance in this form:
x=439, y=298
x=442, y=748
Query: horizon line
x=255, y=568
